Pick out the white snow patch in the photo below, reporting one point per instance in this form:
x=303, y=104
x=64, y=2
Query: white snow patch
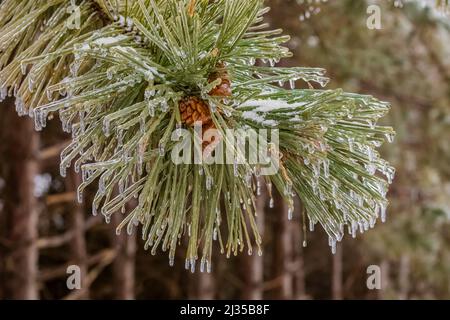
x=253, y=116
x=271, y=105
x=109, y=40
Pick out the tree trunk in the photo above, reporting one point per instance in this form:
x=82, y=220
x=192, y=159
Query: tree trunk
x=404, y=271
x=337, y=274
x=20, y=144
x=382, y=294
x=124, y=264
x=202, y=286
x=300, y=286
x=252, y=267
x=283, y=254
x=78, y=243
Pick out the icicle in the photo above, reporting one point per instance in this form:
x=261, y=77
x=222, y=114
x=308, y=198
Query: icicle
x=3, y=93
x=106, y=127
x=354, y=228
x=326, y=168
x=121, y=186
x=311, y=225
x=179, y=129
x=288, y=189
x=20, y=107
x=271, y=203
x=40, y=119
x=202, y=265
x=209, y=182
x=130, y=229
x=370, y=154
x=82, y=121
x=23, y=68
x=228, y=113
x=235, y=168
x=351, y=144
x=366, y=225
x=213, y=106
x=151, y=109
x=316, y=170
x=334, y=189
x=315, y=186
x=290, y=213
x=333, y=246
x=371, y=168
x=149, y=93
x=110, y=73
x=292, y=84
x=390, y=137
x=371, y=124
x=306, y=161
x=120, y=134
x=30, y=83
x=80, y=195
x=390, y=174
x=142, y=124
x=164, y=106
x=161, y=149
x=372, y=222
x=63, y=170
x=258, y=187
x=383, y=212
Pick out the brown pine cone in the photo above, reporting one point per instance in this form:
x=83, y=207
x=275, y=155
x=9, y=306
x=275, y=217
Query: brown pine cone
x=194, y=109
x=223, y=89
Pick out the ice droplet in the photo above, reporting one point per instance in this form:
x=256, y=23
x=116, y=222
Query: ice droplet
x=390, y=137
x=290, y=213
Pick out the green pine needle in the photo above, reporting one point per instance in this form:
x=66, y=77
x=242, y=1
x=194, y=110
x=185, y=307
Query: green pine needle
x=116, y=83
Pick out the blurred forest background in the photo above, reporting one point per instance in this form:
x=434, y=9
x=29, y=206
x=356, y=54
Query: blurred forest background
x=43, y=229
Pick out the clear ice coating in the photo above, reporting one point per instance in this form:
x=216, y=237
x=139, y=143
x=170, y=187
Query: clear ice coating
x=109, y=133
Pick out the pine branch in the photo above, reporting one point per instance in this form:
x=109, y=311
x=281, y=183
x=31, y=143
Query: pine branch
x=134, y=64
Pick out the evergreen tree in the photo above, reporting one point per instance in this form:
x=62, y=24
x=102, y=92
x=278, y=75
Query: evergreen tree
x=415, y=79
x=123, y=76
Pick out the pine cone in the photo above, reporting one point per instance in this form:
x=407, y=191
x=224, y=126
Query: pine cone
x=224, y=88
x=194, y=109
